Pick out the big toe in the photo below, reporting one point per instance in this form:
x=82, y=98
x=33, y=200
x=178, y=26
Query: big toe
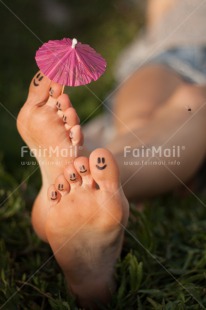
x=39, y=89
x=104, y=169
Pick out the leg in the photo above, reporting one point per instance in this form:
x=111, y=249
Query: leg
x=144, y=92
x=156, y=9
x=166, y=122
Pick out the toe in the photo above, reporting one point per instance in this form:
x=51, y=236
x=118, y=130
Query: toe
x=62, y=185
x=72, y=176
x=63, y=103
x=53, y=195
x=81, y=164
x=55, y=91
x=76, y=135
x=104, y=169
x=39, y=90
x=70, y=118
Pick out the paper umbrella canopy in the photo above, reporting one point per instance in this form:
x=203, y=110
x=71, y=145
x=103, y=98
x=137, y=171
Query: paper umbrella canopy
x=68, y=62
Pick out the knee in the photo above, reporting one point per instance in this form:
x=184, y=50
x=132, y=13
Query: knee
x=193, y=96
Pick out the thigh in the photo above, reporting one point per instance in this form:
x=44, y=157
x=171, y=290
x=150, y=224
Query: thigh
x=177, y=133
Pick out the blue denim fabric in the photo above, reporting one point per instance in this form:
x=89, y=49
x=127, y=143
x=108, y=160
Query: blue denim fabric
x=189, y=62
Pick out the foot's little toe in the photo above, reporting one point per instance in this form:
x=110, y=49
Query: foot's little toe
x=76, y=135
x=72, y=176
x=104, y=169
x=70, y=118
x=53, y=195
x=62, y=185
x=82, y=166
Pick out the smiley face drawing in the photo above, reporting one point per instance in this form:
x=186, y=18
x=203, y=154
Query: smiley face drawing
x=60, y=187
x=37, y=79
x=72, y=177
x=53, y=195
x=101, y=163
x=82, y=169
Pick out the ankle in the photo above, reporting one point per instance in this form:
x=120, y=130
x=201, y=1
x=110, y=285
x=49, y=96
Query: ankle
x=93, y=290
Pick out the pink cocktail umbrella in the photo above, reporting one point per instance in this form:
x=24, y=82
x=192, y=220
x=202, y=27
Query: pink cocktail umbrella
x=68, y=62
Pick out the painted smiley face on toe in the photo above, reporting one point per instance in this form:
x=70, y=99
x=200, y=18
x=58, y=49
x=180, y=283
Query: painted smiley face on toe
x=60, y=187
x=37, y=79
x=54, y=195
x=101, y=163
x=82, y=169
x=58, y=105
x=64, y=119
x=72, y=177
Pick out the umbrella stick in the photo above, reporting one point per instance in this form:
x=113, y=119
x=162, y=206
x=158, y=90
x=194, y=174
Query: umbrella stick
x=62, y=89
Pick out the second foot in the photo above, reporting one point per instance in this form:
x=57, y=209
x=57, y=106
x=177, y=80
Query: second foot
x=50, y=127
x=85, y=225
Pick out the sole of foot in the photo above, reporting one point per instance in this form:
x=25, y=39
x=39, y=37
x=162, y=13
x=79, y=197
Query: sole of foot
x=85, y=224
x=50, y=127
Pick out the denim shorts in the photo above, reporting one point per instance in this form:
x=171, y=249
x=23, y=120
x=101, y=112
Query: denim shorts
x=189, y=62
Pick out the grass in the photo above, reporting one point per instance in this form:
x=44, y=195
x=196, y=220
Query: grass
x=162, y=265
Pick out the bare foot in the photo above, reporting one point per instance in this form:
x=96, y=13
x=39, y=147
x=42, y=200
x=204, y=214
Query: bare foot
x=50, y=126
x=85, y=225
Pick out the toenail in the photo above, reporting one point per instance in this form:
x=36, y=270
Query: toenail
x=60, y=187
x=54, y=195
x=64, y=119
x=51, y=91
x=72, y=177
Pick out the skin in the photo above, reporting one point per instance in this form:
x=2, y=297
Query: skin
x=90, y=223
x=156, y=9
x=167, y=122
